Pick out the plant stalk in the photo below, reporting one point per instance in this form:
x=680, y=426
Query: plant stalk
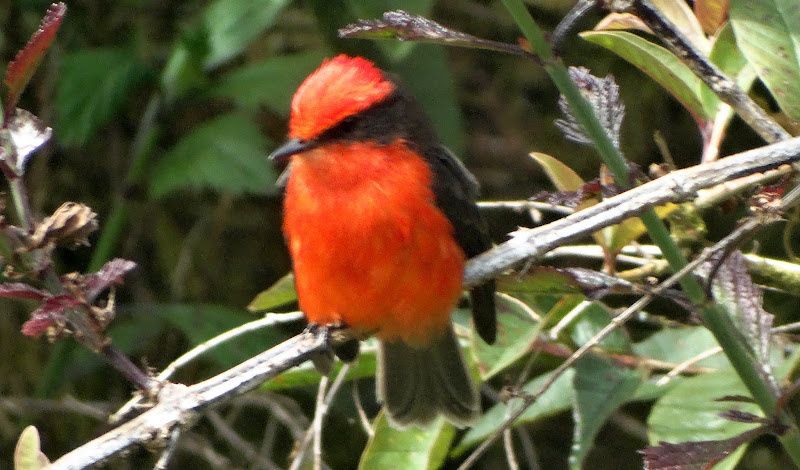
x=715, y=318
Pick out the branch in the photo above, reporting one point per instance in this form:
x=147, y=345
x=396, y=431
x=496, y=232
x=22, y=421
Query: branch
x=678, y=186
x=179, y=405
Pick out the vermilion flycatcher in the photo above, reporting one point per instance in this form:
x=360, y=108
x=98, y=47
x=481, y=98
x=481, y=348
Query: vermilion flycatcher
x=379, y=219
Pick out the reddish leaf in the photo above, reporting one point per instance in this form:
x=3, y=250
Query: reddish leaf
x=110, y=273
x=701, y=455
x=49, y=314
x=19, y=290
x=733, y=288
x=21, y=69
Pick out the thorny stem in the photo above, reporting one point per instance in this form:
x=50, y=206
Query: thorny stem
x=715, y=318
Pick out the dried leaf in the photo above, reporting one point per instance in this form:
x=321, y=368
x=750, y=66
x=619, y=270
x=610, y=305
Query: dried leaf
x=404, y=26
x=111, y=273
x=21, y=69
x=603, y=94
x=27, y=134
x=69, y=225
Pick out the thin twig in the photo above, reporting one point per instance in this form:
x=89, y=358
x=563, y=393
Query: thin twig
x=680, y=368
x=269, y=320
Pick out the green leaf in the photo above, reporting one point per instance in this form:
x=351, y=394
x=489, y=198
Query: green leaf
x=658, y=63
x=600, y=388
x=412, y=448
x=556, y=399
x=768, y=34
x=726, y=55
x=227, y=153
x=690, y=410
x=201, y=322
x=677, y=345
x=305, y=374
x=593, y=318
x=279, y=294
x=563, y=177
x=92, y=87
x=28, y=454
x=517, y=333
x=271, y=82
x=233, y=24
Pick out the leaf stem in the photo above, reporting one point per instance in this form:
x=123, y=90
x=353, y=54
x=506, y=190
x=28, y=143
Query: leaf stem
x=715, y=318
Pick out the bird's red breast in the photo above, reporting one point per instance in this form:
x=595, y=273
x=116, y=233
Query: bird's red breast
x=369, y=245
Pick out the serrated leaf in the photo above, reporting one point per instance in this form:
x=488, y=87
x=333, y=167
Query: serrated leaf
x=658, y=63
x=733, y=288
x=417, y=448
x=277, y=295
x=515, y=337
x=232, y=25
x=556, y=399
x=28, y=454
x=271, y=82
x=689, y=411
x=403, y=26
x=111, y=273
x=93, y=85
x=768, y=34
x=600, y=388
x=21, y=69
x=701, y=455
x=227, y=153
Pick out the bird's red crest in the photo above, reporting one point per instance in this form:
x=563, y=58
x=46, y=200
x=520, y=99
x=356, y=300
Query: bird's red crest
x=340, y=87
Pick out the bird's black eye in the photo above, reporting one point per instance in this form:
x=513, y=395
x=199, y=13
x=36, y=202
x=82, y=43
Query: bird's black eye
x=344, y=130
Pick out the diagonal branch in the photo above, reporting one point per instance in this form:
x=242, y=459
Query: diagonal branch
x=180, y=405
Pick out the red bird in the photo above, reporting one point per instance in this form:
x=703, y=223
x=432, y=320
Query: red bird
x=380, y=218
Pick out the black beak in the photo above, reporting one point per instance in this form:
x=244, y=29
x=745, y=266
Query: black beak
x=289, y=148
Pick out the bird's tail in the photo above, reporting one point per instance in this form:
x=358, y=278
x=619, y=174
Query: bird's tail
x=417, y=384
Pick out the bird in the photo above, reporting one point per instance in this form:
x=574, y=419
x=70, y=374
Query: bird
x=379, y=219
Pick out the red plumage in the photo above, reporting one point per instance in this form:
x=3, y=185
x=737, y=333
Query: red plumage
x=380, y=219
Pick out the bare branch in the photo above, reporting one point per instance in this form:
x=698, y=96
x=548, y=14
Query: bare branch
x=179, y=405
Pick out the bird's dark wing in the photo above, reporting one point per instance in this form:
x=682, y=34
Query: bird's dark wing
x=456, y=190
